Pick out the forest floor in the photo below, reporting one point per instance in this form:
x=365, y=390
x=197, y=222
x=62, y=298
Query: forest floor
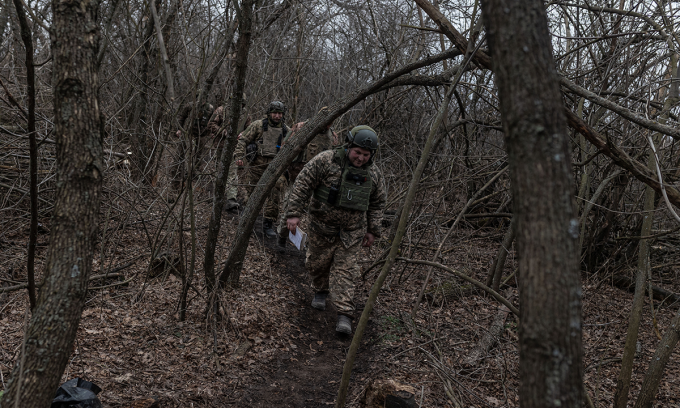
x=272, y=349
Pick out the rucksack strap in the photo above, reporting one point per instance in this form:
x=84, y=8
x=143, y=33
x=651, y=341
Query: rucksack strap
x=281, y=137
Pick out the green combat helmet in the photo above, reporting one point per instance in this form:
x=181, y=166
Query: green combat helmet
x=276, y=106
x=363, y=136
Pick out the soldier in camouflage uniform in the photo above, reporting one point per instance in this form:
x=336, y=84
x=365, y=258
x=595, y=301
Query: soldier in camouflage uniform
x=347, y=200
x=322, y=141
x=217, y=121
x=266, y=135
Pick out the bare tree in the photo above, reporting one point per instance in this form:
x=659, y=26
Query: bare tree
x=547, y=230
x=78, y=128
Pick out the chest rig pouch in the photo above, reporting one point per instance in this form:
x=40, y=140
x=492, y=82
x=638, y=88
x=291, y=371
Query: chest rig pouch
x=354, y=190
x=270, y=142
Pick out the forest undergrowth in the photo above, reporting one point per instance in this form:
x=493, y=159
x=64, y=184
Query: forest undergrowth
x=270, y=348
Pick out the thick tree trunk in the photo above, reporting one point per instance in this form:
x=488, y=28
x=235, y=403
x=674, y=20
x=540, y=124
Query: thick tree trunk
x=77, y=126
x=547, y=230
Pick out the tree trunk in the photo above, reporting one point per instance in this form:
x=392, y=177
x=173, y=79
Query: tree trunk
x=547, y=229
x=77, y=126
x=241, y=69
x=27, y=38
x=494, y=279
x=140, y=146
x=643, y=271
x=650, y=385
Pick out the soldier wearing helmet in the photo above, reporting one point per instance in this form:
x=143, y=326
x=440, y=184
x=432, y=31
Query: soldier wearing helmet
x=263, y=138
x=347, y=200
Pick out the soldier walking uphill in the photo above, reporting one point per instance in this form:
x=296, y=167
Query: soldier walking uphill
x=264, y=137
x=347, y=201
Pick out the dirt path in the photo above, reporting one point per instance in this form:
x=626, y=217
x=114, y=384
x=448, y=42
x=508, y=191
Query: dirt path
x=307, y=376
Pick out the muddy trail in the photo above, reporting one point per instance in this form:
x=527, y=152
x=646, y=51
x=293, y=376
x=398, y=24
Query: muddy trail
x=308, y=375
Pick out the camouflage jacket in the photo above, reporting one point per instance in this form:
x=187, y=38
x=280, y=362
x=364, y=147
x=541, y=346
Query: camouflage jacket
x=200, y=126
x=329, y=220
x=323, y=141
x=216, y=122
x=252, y=133
x=220, y=116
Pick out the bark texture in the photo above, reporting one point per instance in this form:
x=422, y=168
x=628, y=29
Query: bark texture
x=547, y=230
x=77, y=125
x=227, y=154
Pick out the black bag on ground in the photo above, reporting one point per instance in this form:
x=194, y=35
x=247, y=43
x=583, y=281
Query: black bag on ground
x=77, y=393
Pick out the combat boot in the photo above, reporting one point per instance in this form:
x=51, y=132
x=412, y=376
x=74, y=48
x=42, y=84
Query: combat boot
x=319, y=301
x=344, y=325
x=268, y=229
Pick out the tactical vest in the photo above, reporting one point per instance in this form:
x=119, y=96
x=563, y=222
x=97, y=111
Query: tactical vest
x=354, y=191
x=270, y=141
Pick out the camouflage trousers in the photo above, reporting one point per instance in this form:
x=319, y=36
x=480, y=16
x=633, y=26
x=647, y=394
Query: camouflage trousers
x=282, y=228
x=271, y=206
x=333, y=268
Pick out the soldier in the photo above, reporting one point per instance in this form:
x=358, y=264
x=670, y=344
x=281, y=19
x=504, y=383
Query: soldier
x=264, y=137
x=347, y=200
x=199, y=131
x=216, y=123
x=322, y=141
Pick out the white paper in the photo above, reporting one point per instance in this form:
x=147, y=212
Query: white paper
x=299, y=239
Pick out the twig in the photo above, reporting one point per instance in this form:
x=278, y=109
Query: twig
x=38, y=286
x=126, y=281
x=463, y=276
x=434, y=30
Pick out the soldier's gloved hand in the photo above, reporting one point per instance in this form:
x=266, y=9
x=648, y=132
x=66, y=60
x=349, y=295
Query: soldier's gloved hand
x=368, y=240
x=292, y=224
